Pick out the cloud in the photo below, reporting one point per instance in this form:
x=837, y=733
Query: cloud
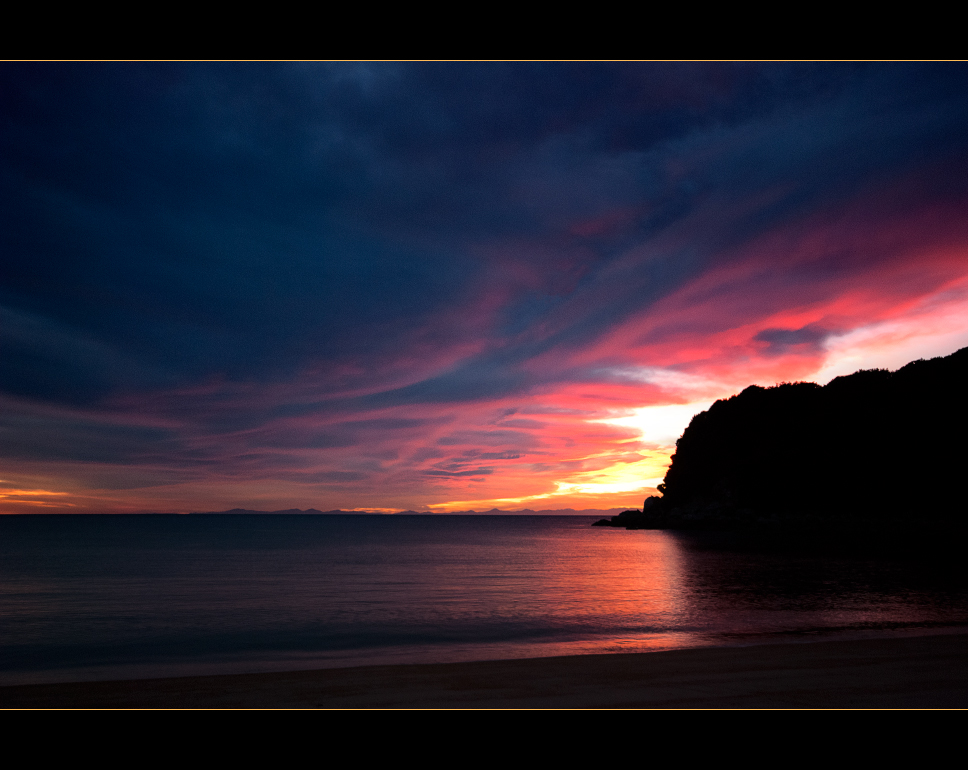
x=780, y=341
x=453, y=474
x=333, y=283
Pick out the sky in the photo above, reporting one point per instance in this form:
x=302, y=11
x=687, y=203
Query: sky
x=449, y=286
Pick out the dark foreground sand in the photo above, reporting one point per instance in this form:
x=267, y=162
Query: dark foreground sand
x=923, y=672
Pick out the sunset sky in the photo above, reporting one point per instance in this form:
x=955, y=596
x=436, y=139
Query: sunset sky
x=449, y=286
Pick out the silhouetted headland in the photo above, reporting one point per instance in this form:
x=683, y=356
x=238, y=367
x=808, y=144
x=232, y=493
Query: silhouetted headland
x=873, y=447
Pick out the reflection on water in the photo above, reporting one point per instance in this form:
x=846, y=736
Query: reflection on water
x=97, y=596
x=760, y=592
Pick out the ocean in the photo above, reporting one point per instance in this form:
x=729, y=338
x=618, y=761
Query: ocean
x=91, y=597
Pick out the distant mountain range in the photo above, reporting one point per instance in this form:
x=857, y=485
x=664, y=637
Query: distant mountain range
x=871, y=446
x=492, y=512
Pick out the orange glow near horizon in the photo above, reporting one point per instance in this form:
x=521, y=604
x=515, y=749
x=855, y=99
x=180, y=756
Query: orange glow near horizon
x=11, y=499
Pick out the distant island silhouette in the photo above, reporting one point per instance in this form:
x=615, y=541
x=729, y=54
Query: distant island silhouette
x=873, y=446
x=491, y=512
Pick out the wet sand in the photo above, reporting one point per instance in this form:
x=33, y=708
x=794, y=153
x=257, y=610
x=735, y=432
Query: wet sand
x=921, y=672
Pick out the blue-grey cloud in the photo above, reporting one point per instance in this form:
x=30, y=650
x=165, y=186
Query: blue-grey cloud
x=459, y=474
x=780, y=340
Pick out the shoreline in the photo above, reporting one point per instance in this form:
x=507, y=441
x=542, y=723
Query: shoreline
x=911, y=672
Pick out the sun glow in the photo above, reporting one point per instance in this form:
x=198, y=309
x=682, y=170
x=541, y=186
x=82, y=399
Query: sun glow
x=660, y=426
x=587, y=488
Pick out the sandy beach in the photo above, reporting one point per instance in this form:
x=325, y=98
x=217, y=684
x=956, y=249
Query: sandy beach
x=920, y=672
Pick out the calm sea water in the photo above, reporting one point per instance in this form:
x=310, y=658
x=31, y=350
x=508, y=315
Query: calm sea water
x=94, y=597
